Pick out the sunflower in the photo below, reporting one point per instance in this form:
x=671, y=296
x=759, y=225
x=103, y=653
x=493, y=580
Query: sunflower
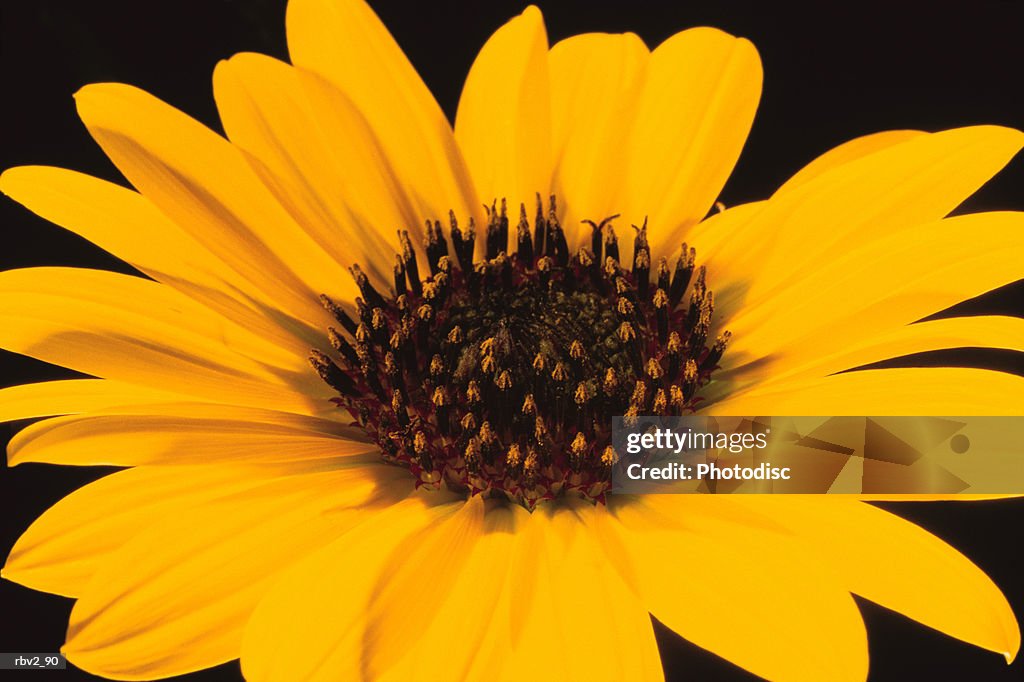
x=363, y=397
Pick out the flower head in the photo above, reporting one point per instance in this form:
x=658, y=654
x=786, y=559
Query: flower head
x=364, y=399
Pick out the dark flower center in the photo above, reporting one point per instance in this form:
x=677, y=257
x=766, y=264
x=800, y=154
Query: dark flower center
x=501, y=376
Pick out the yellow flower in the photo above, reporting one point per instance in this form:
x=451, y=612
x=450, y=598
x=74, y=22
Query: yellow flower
x=256, y=518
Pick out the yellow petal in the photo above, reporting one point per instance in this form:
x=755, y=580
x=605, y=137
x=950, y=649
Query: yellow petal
x=893, y=562
x=692, y=118
x=137, y=331
x=441, y=559
x=503, y=124
x=877, y=287
x=186, y=433
x=319, y=156
x=176, y=597
x=114, y=218
x=464, y=623
x=578, y=618
x=595, y=79
x=847, y=152
x=757, y=599
x=982, y=331
x=130, y=227
x=72, y=396
x=200, y=181
x=721, y=242
x=344, y=42
x=954, y=391
x=62, y=549
x=874, y=197
x=938, y=497
x=321, y=603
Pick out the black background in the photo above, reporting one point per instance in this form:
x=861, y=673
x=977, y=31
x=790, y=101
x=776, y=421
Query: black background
x=833, y=71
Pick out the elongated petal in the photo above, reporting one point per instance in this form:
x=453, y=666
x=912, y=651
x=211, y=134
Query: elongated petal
x=847, y=152
x=200, y=181
x=231, y=345
x=440, y=559
x=713, y=589
x=319, y=156
x=463, y=623
x=719, y=241
x=937, y=497
x=576, y=617
x=692, y=119
x=140, y=332
x=595, y=79
x=176, y=597
x=130, y=227
x=185, y=433
x=73, y=396
x=873, y=198
x=982, y=331
x=901, y=391
x=893, y=562
x=503, y=124
x=321, y=604
x=344, y=42
x=114, y=218
x=898, y=280
x=62, y=549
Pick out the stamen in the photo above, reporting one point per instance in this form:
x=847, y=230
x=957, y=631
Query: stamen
x=412, y=271
x=681, y=278
x=663, y=275
x=597, y=234
x=369, y=293
x=332, y=374
x=584, y=258
x=611, y=381
x=514, y=456
x=435, y=245
x=524, y=243
x=540, y=228
x=340, y=315
x=715, y=354
x=641, y=260
x=660, y=403
x=660, y=302
x=399, y=277
x=611, y=243
x=497, y=229
x=560, y=248
x=339, y=344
